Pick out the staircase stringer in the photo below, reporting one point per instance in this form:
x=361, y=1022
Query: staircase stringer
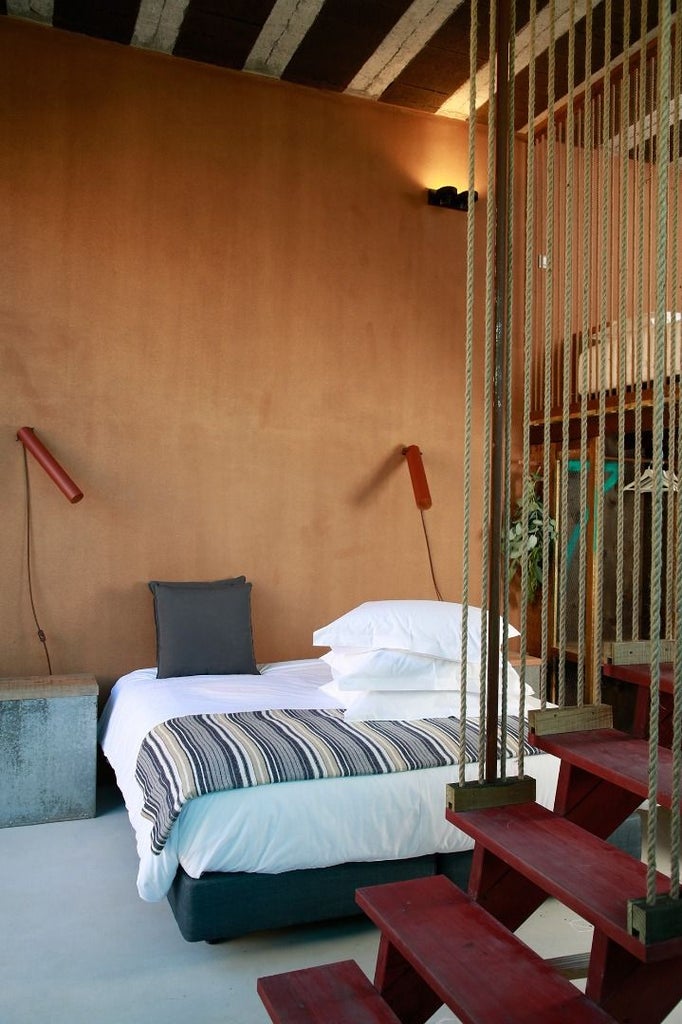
x=593, y=803
x=629, y=990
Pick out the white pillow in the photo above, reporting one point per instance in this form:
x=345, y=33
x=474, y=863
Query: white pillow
x=400, y=670
x=407, y=705
x=344, y=697
x=403, y=705
x=432, y=628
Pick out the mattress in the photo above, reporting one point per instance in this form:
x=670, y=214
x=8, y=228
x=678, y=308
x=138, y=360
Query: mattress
x=288, y=826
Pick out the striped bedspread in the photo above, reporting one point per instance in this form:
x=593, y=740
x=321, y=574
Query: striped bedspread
x=193, y=755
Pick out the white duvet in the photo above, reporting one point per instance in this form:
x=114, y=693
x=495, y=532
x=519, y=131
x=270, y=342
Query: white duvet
x=286, y=826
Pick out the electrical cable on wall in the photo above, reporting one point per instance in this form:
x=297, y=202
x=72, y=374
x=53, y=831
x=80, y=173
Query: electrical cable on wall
x=428, y=551
x=40, y=631
x=66, y=485
x=422, y=497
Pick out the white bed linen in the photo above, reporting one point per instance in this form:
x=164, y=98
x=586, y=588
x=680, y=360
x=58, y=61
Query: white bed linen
x=290, y=825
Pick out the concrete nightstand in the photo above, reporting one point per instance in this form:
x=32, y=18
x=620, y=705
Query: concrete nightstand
x=48, y=748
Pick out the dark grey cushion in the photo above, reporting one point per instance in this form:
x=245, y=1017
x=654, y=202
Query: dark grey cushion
x=203, y=628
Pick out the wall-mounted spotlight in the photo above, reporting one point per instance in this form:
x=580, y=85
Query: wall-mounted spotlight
x=449, y=197
x=56, y=472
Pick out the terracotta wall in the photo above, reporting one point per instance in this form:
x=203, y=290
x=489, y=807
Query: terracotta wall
x=225, y=306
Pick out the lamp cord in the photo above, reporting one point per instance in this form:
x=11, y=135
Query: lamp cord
x=41, y=634
x=428, y=551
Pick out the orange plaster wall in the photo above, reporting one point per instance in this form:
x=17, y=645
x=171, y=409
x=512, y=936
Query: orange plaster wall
x=225, y=306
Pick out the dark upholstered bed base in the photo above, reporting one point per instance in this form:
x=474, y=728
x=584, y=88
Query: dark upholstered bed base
x=225, y=906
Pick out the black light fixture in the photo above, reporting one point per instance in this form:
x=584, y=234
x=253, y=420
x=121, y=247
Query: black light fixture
x=449, y=197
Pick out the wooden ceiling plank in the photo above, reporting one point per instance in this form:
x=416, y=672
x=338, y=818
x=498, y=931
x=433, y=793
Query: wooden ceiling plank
x=281, y=35
x=457, y=105
x=409, y=35
x=100, y=19
x=36, y=10
x=158, y=24
x=221, y=32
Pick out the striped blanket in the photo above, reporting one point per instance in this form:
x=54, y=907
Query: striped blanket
x=197, y=754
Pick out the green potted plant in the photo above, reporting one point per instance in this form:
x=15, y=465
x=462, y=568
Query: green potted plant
x=528, y=548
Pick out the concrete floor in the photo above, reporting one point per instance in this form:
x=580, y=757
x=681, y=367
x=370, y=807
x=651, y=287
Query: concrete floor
x=77, y=945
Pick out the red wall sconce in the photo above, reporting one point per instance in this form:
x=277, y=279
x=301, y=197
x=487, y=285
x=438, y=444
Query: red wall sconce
x=418, y=476
x=56, y=472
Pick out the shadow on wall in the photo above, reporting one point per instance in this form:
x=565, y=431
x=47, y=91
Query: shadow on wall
x=379, y=477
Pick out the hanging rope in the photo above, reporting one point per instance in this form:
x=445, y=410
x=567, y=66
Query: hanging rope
x=469, y=384
x=566, y=369
x=489, y=363
x=507, y=387
x=549, y=312
x=638, y=321
x=603, y=315
x=622, y=318
x=674, y=512
x=662, y=162
x=527, y=378
x=673, y=369
x=584, y=519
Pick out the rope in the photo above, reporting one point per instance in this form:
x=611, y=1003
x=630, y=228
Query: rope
x=508, y=392
x=674, y=511
x=641, y=194
x=549, y=285
x=469, y=386
x=604, y=290
x=566, y=371
x=674, y=368
x=527, y=361
x=622, y=316
x=662, y=161
x=488, y=386
x=585, y=332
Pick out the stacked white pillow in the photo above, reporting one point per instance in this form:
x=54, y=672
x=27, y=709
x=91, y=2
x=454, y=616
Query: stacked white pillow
x=403, y=660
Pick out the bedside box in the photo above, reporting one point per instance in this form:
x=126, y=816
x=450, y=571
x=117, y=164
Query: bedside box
x=48, y=749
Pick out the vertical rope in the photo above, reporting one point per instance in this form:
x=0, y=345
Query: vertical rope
x=674, y=511
x=622, y=317
x=603, y=336
x=662, y=161
x=473, y=39
x=489, y=361
x=637, y=320
x=527, y=380
x=549, y=310
x=673, y=369
x=566, y=370
x=585, y=517
x=506, y=490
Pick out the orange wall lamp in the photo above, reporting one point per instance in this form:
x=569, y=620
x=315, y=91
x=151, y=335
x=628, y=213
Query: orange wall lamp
x=56, y=472
x=418, y=476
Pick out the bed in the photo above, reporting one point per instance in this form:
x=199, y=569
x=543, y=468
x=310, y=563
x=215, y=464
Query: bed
x=275, y=855
x=293, y=848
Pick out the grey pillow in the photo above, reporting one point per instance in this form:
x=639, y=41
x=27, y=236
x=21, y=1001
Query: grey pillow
x=203, y=628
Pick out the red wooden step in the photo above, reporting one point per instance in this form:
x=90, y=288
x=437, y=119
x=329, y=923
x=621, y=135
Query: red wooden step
x=332, y=994
x=433, y=932
x=614, y=756
x=585, y=873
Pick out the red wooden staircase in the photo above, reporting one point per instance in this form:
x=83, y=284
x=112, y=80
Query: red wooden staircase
x=439, y=945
